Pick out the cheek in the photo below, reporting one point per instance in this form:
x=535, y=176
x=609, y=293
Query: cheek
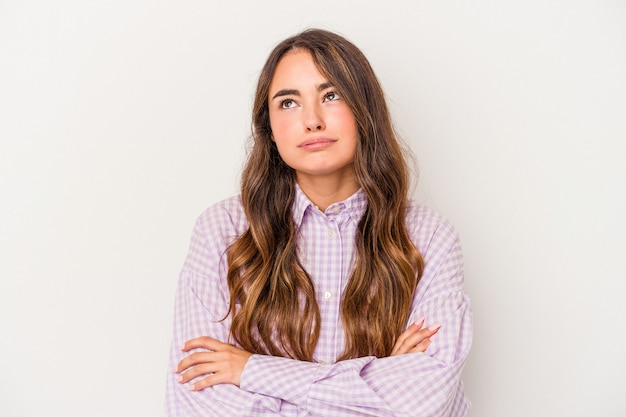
x=345, y=120
x=279, y=126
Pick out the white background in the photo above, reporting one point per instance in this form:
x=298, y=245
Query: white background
x=121, y=120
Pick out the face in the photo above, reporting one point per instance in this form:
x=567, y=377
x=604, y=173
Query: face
x=313, y=128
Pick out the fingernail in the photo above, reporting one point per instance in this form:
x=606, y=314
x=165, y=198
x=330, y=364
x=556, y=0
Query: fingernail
x=182, y=347
x=190, y=387
x=180, y=379
x=434, y=327
x=419, y=322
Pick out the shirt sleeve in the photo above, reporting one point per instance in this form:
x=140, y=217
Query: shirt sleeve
x=200, y=307
x=416, y=384
x=419, y=384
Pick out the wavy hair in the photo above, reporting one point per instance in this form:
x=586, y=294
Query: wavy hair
x=272, y=298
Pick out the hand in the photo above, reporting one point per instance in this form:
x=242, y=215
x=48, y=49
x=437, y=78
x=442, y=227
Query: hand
x=221, y=363
x=414, y=339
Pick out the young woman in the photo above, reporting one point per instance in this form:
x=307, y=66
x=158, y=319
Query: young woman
x=321, y=290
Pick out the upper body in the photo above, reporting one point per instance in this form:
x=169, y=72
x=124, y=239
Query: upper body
x=322, y=290
x=416, y=384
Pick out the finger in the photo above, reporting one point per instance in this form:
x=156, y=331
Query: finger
x=412, y=329
x=413, y=340
x=204, y=342
x=195, y=359
x=421, y=347
x=223, y=368
x=408, y=333
x=417, y=325
x=204, y=369
x=207, y=382
x=422, y=335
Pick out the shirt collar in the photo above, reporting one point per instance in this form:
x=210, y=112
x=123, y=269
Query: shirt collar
x=354, y=205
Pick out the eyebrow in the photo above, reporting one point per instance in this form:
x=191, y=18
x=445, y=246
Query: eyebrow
x=282, y=93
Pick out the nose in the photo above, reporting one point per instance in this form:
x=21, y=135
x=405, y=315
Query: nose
x=313, y=120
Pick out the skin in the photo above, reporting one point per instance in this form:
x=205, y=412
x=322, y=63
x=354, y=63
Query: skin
x=314, y=129
x=316, y=134
x=223, y=363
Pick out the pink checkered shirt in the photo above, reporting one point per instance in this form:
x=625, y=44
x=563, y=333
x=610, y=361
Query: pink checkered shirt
x=416, y=384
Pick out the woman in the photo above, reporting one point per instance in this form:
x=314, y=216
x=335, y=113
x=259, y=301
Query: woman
x=322, y=290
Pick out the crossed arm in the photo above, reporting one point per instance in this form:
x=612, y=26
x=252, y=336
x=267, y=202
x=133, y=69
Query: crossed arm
x=210, y=377
x=422, y=377
x=222, y=363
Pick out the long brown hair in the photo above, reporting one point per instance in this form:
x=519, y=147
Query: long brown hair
x=272, y=298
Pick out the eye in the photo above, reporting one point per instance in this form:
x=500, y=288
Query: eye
x=331, y=96
x=287, y=104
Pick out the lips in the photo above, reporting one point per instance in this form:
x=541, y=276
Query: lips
x=317, y=143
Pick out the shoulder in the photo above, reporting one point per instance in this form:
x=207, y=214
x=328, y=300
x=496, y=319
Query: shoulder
x=215, y=230
x=223, y=221
x=229, y=208
x=438, y=242
x=428, y=229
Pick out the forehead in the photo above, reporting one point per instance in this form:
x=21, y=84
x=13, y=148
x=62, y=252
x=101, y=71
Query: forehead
x=296, y=68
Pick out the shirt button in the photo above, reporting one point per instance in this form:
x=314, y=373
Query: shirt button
x=328, y=295
x=323, y=362
x=331, y=233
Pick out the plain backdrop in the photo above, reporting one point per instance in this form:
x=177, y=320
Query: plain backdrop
x=122, y=120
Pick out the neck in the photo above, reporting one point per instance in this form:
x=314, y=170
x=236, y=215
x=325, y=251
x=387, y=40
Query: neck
x=324, y=191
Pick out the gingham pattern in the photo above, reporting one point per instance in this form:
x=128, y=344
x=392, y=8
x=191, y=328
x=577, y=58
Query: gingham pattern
x=417, y=384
